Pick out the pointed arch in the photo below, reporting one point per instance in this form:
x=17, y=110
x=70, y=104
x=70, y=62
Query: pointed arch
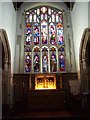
x=83, y=44
x=6, y=69
x=83, y=58
x=5, y=44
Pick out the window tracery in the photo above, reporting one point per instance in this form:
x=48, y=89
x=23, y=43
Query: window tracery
x=44, y=40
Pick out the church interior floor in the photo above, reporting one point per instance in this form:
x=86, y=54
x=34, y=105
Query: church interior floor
x=50, y=114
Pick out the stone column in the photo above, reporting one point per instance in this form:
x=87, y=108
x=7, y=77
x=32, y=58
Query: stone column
x=22, y=44
x=70, y=53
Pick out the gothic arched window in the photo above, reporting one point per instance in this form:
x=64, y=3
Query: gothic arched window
x=44, y=40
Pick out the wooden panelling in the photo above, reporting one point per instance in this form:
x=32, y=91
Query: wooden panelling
x=46, y=100
x=41, y=99
x=20, y=89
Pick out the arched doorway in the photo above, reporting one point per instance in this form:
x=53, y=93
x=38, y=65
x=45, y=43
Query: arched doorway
x=85, y=67
x=6, y=69
x=85, y=60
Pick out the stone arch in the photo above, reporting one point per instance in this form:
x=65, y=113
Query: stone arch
x=83, y=60
x=6, y=69
x=5, y=45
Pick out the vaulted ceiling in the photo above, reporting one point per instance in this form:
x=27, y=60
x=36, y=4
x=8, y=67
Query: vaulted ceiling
x=18, y=4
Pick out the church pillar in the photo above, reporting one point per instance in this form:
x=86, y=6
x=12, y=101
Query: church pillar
x=22, y=44
x=70, y=55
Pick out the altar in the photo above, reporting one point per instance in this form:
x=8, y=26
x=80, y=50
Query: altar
x=45, y=100
x=42, y=91
x=45, y=81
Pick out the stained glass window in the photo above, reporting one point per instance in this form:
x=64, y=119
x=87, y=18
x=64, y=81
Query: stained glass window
x=44, y=40
x=36, y=59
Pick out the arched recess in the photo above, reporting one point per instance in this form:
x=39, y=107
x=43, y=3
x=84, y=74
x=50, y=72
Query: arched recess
x=6, y=69
x=84, y=60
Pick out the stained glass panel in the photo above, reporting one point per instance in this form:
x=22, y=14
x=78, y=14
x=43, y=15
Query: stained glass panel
x=44, y=32
x=30, y=18
x=36, y=34
x=36, y=60
x=28, y=34
x=27, y=17
x=43, y=9
x=53, y=60
x=60, y=18
x=45, y=16
x=41, y=16
x=57, y=18
x=49, y=19
x=49, y=11
x=38, y=20
x=44, y=60
x=27, y=59
x=53, y=18
x=60, y=34
x=52, y=33
x=38, y=11
x=34, y=17
x=61, y=53
x=27, y=49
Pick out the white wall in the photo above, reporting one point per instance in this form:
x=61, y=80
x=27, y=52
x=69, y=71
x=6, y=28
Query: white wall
x=79, y=16
x=8, y=22
x=89, y=14
x=0, y=13
x=0, y=68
